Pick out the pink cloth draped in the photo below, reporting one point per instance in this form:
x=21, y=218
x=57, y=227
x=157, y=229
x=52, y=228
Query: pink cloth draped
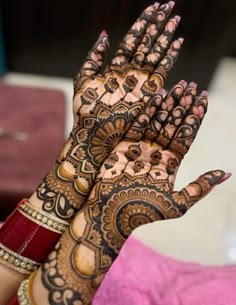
x=141, y=276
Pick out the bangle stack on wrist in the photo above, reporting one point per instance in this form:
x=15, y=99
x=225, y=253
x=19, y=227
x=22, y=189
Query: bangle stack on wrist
x=27, y=236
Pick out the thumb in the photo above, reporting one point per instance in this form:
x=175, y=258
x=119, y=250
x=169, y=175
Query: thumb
x=199, y=188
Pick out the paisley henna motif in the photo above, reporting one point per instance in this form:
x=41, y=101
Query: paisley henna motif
x=134, y=187
x=111, y=105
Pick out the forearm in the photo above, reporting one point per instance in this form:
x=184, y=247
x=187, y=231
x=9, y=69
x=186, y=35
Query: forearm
x=38, y=229
x=75, y=268
x=26, y=238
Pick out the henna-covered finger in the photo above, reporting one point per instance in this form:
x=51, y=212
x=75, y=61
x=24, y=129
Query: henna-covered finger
x=93, y=61
x=164, y=110
x=199, y=188
x=187, y=131
x=138, y=128
x=162, y=43
x=153, y=30
x=160, y=74
x=131, y=40
x=183, y=103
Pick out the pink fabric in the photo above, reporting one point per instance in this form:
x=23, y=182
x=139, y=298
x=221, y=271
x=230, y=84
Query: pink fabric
x=141, y=276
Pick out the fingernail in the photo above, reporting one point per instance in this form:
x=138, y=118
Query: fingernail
x=162, y=92
x=178, y=18
x=183, y=83
x=181, y=40
x=193, y=84
x=204, y=93
x=225, y=177
x=156, y=5
x=104, y=33
x=171, y=4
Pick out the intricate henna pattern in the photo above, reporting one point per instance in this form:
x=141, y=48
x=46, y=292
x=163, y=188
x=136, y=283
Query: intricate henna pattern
x=134, y=187
x=111, y=105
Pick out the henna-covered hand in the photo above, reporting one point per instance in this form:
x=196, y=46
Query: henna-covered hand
x=107, y=103
x=134, y=187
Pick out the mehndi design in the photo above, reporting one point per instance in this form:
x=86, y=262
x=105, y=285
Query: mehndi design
x=107, y=103
x=134, y=187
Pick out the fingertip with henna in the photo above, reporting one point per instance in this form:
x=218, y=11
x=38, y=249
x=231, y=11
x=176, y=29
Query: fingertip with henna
x=225, y=177
x=171, y=4
x=162, y=92
x=183, y=83
x=204, y=93
x=193, y=84
x=104, y=33
x=156, y=5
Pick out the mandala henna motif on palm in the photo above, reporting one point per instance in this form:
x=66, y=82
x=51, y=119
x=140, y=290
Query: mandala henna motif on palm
x=134, y=187
x=106, y=104
x=114, y=210
x=98, y=131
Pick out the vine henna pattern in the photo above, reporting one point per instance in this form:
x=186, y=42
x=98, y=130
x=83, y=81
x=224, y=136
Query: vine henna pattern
x=106, y=104
x=134, y=187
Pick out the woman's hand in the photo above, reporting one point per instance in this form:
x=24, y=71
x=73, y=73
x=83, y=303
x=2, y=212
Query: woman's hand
x=134, y=187
x=107, y=103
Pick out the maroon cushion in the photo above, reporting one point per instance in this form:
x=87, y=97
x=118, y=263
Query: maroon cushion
x=40, y=113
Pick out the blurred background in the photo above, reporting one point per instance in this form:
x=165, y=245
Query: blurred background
x=42, y=45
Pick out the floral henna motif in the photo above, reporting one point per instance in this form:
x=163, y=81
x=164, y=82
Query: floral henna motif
x=93, y=62
x=134, y=187
x=158, y=19
x=165, y=108
x=100, y=236
x=106, y=104
x=183, y=101
x=187, y=131
x=130, y=208
x=133, y=37
x=162, y=42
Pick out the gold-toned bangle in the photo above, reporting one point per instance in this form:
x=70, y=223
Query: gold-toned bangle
x=24, y=292
x=17, y=262
x=42, y=218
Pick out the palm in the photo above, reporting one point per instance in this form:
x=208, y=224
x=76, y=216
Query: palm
x=134, y=187
x=107, y=107
x=135, y=184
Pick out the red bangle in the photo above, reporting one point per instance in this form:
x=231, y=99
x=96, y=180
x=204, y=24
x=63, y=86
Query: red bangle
x=27, y=237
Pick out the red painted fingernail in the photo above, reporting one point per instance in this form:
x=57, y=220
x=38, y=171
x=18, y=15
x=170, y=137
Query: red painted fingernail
x=104, y=33
x=193, y=84
x=204, y=93
x=225, y=177
x=171, y=4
